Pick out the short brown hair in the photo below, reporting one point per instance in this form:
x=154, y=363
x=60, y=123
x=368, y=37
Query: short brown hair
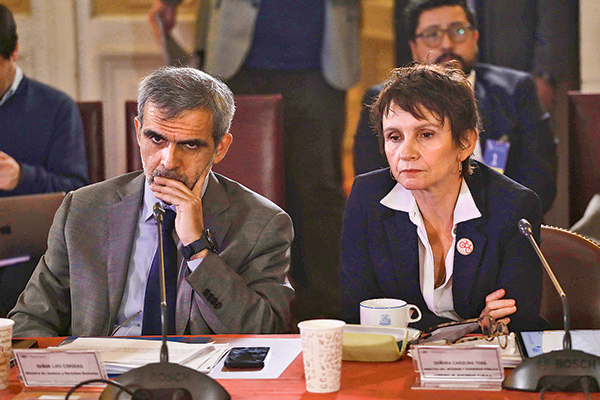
x=442, y=90
x=8, y=33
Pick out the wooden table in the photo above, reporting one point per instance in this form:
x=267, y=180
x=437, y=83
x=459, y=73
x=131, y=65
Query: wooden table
x=359, y=381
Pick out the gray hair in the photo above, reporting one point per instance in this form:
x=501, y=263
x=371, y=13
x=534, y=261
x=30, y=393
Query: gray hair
x=173, y=90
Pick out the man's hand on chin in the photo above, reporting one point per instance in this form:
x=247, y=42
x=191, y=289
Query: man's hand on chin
x=189, y=223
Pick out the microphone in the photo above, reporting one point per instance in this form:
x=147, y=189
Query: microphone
x=159, y=214
x=164, y=380
x=525, y=229
x=562, y=370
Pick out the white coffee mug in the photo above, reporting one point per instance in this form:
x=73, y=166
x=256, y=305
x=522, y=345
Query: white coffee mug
x=388, y=312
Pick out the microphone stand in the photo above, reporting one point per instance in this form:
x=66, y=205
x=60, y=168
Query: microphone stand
x=164, y=380
x=159, y=213
x=562, y=370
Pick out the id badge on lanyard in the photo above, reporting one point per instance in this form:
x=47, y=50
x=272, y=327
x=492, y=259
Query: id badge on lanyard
x=496, y=153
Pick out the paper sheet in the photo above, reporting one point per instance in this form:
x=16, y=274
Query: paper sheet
x=121, y=355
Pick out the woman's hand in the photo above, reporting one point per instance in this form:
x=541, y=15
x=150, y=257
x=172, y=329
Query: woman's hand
x=499, y=308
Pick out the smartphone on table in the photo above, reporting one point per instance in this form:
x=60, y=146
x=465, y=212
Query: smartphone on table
x=246, y=358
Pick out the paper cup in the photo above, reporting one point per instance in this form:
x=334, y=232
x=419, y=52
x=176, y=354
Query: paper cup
x=322, y=353
x=6, y=327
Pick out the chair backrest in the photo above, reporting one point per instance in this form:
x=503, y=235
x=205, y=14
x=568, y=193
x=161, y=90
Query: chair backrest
x=255, y=158
x=584, y=151
x=91, y=115
x=134, y=161
x=575, y=260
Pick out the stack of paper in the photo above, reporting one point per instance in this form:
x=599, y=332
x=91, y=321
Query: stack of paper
x=122, y=355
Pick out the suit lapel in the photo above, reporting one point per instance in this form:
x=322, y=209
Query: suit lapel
x=215, y=203
x=497, y=117
x=483, y=101
x=467, y=267
x=123, y=218
x=404, y=254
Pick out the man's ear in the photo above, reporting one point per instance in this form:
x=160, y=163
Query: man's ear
x=15, y=55
x=476, y=35
x=412, y=45
x=138, y=127
x=223, y=147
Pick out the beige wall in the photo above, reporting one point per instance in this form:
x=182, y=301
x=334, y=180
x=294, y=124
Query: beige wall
x=589, y=15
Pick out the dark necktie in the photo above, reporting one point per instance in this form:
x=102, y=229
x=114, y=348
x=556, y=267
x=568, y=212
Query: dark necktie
x=151, y=324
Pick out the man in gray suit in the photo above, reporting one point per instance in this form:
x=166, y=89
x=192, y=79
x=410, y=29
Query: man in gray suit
x=309, y=52
x=233, y=246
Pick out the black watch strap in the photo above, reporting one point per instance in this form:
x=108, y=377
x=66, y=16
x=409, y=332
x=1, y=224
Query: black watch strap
x=207, y=241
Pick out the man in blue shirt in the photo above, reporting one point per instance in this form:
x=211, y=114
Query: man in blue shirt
x=42, y=145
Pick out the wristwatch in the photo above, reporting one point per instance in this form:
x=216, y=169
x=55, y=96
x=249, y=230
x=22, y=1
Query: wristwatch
x=207, y=241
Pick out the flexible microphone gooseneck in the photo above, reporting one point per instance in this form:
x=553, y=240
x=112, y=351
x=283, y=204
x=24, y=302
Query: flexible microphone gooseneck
x=164, y=380
x=525, y=229
x=562, y=370
x=159, y=214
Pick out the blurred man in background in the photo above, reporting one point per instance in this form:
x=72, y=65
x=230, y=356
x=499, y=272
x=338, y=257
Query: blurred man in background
x=42, y=145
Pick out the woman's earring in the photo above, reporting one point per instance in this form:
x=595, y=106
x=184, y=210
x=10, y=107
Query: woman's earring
x=460, y=167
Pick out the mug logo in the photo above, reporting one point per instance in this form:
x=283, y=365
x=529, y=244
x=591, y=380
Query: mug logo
x=464, y=246
x=385, y=320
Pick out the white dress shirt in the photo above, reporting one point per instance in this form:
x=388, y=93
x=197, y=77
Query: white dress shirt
x=439, y=300
x=13, y=87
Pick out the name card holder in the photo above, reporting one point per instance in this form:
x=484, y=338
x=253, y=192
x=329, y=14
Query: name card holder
x=458, y=368
x=52, y=368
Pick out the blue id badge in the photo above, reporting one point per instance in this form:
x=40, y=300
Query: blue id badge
x=496, y=154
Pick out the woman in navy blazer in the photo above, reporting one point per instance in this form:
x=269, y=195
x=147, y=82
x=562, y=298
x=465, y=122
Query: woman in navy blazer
x=437, y=229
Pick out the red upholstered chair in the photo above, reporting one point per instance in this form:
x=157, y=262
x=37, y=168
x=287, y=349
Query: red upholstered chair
x=584, y=151
x=91, y=115
x=255, y=158
x=575, y=261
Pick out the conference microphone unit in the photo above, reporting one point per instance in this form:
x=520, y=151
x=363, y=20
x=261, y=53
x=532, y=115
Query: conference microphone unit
x=565, y=370
x=164, y=380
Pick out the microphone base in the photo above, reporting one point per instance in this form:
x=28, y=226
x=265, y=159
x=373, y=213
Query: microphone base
x=166, y=381
x=560, y=370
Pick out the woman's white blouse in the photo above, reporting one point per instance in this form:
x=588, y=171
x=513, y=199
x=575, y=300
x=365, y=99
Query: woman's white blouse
x=439, y=300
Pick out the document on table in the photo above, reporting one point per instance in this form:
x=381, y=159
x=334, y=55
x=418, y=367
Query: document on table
x=281, y=354
x=121, y=355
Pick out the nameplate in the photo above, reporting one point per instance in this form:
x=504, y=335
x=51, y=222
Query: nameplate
x=446, y=363
x=59, y=368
